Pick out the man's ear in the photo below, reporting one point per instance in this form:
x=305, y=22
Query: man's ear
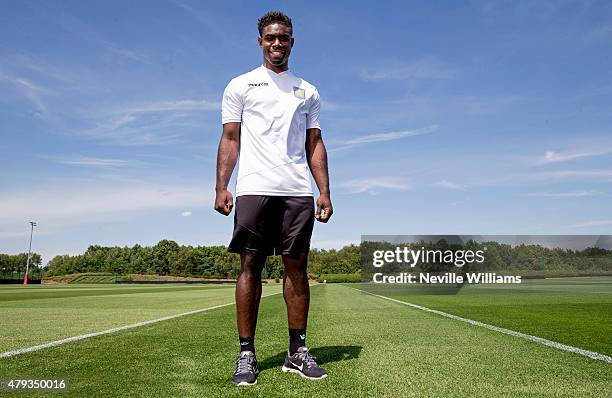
x=259, y=41
x=292, y=41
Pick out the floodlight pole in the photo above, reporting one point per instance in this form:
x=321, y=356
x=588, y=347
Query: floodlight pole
x=25, y=278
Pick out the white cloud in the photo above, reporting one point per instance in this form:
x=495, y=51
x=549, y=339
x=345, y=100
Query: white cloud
x=14, y=234
x=588, y=224
x=372, y=185
x=153, y=123
x=575, y=194
x=424, y=68
x=576, y=173
x=206, y=19
x=121, y=121
x=176, y=105
x=29, y=90
x=546, y=177
x=21, y=62
x=555, y=157
x=90, y=161
x=450, y=185
x=383, y=137
x=76, y=202
x=124, y=52
x=186, y=214
x=332, y=106
x=391, y=136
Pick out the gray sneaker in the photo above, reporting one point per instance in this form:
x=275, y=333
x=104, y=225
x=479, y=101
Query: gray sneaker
x=246, y=369
x=303, y=363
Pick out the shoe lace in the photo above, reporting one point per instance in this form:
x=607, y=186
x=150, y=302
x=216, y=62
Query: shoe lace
x=308, y=359
x=244, y=363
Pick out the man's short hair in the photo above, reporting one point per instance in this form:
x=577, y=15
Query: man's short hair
x=273, y=17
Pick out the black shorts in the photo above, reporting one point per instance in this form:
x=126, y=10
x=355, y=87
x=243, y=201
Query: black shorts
x=273, y=225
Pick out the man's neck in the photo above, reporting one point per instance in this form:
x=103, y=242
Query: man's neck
x=276, y=69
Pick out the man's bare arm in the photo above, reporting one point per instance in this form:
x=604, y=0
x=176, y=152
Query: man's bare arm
x=316, y=155
x=226, y=161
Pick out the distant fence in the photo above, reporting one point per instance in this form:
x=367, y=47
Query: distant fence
x=15, y=277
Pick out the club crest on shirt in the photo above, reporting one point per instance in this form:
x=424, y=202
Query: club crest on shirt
x=299, y=92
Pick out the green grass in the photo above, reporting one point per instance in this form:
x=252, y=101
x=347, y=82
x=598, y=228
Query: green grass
x=370, y=346
x=38, y=314
x=339, y=278
x=573, y=311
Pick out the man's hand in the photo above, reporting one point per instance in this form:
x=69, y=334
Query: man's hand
x=226, y=160
x=324, y=208
x=224, y=202
x=317, y=161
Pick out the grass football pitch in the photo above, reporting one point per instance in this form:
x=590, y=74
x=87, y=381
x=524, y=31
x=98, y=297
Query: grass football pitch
x=370, y=346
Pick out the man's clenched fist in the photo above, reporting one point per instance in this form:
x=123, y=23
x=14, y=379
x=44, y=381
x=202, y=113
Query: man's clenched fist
x=224, y=202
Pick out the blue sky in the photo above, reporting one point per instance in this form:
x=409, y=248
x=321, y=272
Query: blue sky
x=476, y=118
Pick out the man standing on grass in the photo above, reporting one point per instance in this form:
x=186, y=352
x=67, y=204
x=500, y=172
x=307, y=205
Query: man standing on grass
x=271, y=118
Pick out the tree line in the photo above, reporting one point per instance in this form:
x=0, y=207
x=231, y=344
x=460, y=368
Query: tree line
x=169, y=258
x=17, y=263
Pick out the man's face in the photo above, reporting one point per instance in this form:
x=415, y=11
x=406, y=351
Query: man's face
x=276, y=43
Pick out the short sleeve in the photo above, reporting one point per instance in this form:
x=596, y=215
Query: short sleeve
x=312, y=119
x=231, y=106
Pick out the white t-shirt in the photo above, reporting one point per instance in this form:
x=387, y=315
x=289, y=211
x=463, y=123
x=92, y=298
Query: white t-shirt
x=275, y=110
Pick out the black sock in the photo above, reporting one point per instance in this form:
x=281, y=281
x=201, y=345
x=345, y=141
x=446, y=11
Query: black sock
x=247, y=344
x=297, y=339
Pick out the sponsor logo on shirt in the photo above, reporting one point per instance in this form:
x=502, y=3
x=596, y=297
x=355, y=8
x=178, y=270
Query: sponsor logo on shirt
x=258, y=84
x=299, y=92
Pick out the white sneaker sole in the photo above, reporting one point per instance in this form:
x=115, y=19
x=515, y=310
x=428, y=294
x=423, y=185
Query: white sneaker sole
x=245, y=384
x=290, y=370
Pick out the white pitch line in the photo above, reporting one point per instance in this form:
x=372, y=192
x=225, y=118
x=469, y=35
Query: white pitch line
x=539, y=340
x=113, y=330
